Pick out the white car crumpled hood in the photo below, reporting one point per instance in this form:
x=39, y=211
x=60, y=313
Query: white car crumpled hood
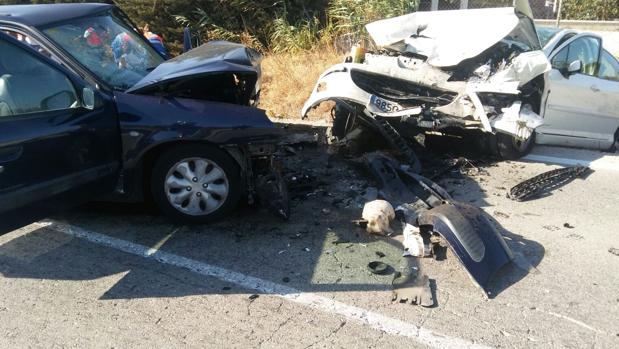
x=446, y=37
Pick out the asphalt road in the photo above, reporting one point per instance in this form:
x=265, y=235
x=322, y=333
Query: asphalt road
x=110, y=276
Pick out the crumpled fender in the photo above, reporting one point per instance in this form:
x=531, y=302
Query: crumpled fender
x=337, y=84
x=476, y=242
x=334, y=84
x=518, y=120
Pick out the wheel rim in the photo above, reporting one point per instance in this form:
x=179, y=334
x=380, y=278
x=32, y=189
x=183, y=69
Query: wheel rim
x=196, y=186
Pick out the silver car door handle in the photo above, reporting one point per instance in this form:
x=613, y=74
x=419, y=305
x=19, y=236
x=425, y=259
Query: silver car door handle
x=595, y=88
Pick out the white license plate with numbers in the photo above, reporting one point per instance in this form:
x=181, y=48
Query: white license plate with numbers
x=380, y=105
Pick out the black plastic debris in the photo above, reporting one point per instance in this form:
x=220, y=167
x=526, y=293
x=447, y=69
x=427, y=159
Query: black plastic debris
x=272, y=191
x=379, y=268
x=546, y=182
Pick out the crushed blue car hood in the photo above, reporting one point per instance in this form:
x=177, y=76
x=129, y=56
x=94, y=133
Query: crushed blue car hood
x=212, y=57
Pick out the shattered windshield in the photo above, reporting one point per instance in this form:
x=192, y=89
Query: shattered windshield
x=108, y=47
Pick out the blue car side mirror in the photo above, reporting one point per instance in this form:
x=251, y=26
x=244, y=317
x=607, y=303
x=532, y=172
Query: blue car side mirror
x=88, y=98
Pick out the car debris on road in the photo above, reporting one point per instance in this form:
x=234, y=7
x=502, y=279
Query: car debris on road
x=430, y=217
x=547, y=181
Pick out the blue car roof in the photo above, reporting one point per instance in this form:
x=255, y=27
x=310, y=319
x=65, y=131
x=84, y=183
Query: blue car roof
x=42, y=15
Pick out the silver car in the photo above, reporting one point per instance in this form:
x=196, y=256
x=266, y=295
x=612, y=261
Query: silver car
x=582, y=91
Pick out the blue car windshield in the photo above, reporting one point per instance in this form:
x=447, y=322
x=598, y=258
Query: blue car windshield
x=108, y=47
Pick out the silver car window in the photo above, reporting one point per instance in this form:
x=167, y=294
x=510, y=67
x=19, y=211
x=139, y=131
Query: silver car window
x=585, y=49
x=609, y=67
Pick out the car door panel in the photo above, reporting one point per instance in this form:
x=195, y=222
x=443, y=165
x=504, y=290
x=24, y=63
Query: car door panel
x=576, y=112
x=608, y=88
x=569, y=104
x=51, y=159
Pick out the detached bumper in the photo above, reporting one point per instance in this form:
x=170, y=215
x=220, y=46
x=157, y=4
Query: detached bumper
x=476, y=242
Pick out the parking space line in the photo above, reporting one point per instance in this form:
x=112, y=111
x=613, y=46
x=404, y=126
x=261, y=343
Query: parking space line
x=374, y=320
x=160, y=243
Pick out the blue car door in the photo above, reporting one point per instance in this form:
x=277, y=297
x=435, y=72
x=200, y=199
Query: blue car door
x=59, y=137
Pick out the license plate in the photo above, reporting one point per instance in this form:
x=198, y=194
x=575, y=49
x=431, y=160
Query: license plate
x=384, y=106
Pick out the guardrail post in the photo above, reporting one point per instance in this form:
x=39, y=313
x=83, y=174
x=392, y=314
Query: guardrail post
x=434, y=6
x=559, y=13
x=464, y=4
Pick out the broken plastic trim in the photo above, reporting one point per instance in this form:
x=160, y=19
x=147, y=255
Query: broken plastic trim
x=545, y=182
x=472, y=238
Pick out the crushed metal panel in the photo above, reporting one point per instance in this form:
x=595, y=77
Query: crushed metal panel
x=517, y=120
x=446, y=37
x=524, y=68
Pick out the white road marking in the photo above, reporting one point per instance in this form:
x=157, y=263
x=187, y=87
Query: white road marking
x=574, y=321
x=374, y=320
x=603, y=163
x=160, y=243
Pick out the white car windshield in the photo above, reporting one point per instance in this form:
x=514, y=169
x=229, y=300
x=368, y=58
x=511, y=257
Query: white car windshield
x=108, y=47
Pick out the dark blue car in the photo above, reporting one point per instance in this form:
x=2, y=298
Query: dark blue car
x=88, y=108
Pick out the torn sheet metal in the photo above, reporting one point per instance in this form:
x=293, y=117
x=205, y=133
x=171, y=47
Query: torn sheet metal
x=446, y=37
x=473, y=239
x=212, y=57
x=524, y=68
x=517, y=120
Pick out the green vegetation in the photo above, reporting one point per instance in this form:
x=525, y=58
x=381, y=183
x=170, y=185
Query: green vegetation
x=600, y=10
x=296, y=25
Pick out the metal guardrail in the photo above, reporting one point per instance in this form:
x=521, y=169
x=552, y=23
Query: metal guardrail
x=541, y=8
x=608, y=26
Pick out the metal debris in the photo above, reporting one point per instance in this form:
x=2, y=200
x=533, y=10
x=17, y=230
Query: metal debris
x=379, y=268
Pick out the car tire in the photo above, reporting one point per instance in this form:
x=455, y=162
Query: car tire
x=195, y=183
x=510, y=148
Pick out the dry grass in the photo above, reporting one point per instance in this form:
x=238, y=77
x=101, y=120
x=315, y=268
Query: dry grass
x=288, y=80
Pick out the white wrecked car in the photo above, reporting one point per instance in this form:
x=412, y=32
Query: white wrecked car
x=444, y=71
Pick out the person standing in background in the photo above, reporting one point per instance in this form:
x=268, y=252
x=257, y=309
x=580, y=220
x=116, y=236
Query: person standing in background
x=155, y=39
